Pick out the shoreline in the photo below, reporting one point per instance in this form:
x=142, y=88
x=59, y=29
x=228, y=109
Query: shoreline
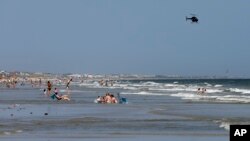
x=120, y=138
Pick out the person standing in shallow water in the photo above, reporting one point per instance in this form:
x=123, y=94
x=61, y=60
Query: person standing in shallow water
x=67, y=86
x=40, y=82
x=49, y=87
x=199, y=91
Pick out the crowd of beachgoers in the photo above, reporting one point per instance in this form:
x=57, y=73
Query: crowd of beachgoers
x=51, y=84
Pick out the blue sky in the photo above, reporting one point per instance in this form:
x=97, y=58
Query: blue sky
x=126, y=36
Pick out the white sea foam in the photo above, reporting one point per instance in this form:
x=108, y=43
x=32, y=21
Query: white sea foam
x=234, y=98
x=19, y=131
x=173, y=85
x=194, y=88
x=209, y=85
x=218, y=85
x=7, y=133
x=89, y=84
x=166, y=89
x=215, y=98
x=187, y=96
x=243, y=91
x=130, y=88
x=223, y=124
x=183, y=88
x=126, y=86
x=150, y=83
x=74, y=91
x=191, y=89
x=121, y=85
x=141, y=93
x=214, y=91
x=188, y=91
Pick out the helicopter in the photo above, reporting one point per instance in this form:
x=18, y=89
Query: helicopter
x=194, y=19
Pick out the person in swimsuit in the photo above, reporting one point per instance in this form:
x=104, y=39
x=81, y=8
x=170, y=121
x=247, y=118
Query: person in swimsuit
x=67, y=86
x=60, y=97
x=56, y=94
x=113, y=99
x=49, y=87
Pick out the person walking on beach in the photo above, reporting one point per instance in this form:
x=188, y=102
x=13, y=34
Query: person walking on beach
x=49, y=86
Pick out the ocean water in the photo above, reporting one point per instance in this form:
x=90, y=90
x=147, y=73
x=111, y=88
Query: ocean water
x=156, y=109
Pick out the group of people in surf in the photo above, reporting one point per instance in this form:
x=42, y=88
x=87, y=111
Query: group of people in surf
x=106, y=83
x=8, y=82
x=56, y=91
x=108, y=98
x=201, y=90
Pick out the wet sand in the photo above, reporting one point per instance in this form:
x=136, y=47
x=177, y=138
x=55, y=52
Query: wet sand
x=29, y=115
